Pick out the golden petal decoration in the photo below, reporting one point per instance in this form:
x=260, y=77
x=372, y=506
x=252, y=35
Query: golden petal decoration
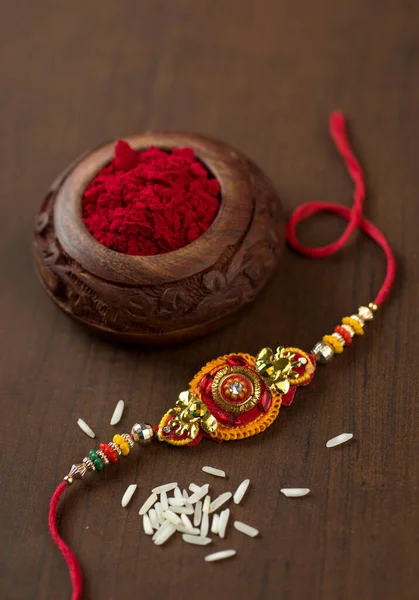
x=209, y=423
x=281, y=386
x=265, y=354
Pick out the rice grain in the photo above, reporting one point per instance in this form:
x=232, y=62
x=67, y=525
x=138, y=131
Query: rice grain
x=295, y=492
x=117, y=413
x=148, y=504
x=220, y=555
x=129, y=492
x=214, y=471
x=246, y=529
x=198, y=540
x=166, y=487
x=339, y=439
x=240, y=492
x=222, y=499
x=85, y=428
x=222, y=523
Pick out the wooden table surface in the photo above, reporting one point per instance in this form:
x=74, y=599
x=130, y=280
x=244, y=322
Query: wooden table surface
x=264, y=77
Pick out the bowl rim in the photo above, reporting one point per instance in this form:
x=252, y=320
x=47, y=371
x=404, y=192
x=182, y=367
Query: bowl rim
x=230, y=225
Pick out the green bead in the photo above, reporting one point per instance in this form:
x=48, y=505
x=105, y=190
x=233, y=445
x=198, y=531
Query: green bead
x=92, y=455
x=98, y=464
x=96, y=460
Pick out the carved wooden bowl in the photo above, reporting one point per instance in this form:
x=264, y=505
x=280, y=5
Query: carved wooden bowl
x=170, y=297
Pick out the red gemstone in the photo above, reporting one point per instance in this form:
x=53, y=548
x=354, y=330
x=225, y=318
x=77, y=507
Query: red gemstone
x=237, y=361
x=228, y=419
x=206, y=383
x=266, y=401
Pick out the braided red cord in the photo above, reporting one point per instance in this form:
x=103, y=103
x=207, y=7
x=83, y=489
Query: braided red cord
x=353, y=215
x=70, y=558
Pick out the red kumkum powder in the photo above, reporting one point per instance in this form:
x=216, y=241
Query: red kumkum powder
x=150, y=202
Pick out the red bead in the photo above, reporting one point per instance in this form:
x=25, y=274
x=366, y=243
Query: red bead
x=110, y=452
x=266, y=401
x=237, y=361
x=345, y=334
x=206, y=383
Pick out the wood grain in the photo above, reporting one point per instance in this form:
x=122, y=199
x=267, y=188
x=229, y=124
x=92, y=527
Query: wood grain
x=263, y=76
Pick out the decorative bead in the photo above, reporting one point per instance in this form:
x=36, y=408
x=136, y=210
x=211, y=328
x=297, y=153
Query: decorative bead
x=77, y=471
x=122, y=444
x=365, y=313
x=115, y=448
x=98, y=464
x=323, y=353
x=110, y=452
x=339, y=337
x=96, y=460
x=372, y=306
x=142, y=433
x=359, y=319
x=342, y=331
x=354, y=322
x=125, y=449
x=117, y=439
x=334, y=343
x=128, y=439
x=102, y=456
x=349, y=329
x=89, y=464
x=92, y=455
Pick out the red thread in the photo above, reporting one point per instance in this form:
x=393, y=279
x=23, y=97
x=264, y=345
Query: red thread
x=353, y=215
x=151, y=202
x=70, y=558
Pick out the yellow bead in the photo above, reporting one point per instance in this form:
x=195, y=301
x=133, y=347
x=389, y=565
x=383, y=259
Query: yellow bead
x=125, y=449
x=334, y=343
x=356, y=326
x=118, y=439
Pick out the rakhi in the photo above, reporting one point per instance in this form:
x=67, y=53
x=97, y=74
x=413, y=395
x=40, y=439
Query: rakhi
x=239, y=395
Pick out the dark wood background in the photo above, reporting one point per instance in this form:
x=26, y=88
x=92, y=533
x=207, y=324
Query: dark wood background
x=263, y=76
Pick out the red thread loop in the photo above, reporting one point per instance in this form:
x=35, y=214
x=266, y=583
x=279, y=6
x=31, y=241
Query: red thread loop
x=337, y=128
x=70, y=557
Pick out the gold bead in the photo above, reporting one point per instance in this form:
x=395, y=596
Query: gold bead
x=77, y=471
x=103, y=456
x=323, y=353
x=68, y=479
x=372, y=306
x=128, y=439
x=89, y=464
x=365, y=313
x=143, y=433
x=115, y=447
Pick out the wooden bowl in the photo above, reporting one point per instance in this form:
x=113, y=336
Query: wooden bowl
x=170, y=297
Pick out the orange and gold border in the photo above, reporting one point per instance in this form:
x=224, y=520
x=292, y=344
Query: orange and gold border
x=241, y=432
